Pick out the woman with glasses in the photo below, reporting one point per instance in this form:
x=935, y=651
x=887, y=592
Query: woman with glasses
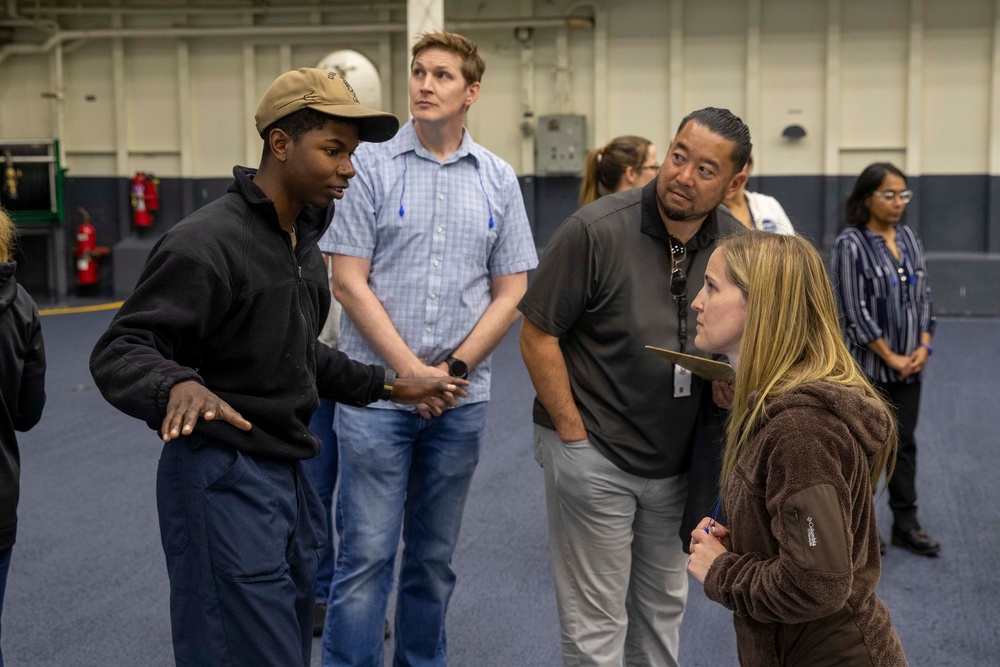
x=756, y=210
x=806, y=443
x=624, y=163
x=880, y=274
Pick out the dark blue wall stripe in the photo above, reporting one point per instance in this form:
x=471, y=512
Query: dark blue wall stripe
x=952, y=214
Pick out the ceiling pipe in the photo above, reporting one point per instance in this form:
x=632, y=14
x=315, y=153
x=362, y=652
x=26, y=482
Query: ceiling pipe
x=44, y=26
x=181, y=32
x=277, y=31
x=580, y=22
x=33, y=10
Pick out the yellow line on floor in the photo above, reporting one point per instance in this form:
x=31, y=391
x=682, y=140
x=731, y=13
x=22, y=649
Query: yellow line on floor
x=80, y=309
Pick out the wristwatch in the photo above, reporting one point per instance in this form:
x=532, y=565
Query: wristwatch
x=457, y=368
x=387, y=384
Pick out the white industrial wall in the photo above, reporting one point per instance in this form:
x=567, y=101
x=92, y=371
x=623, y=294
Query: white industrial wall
x=915, y=81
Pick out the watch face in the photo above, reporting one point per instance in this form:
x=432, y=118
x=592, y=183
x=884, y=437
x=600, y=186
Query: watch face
x=458, y=368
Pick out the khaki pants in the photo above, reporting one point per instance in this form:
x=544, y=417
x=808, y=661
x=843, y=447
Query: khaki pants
x=619, y=567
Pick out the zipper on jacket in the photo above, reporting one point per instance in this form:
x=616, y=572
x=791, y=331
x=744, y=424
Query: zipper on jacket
x=298, y=274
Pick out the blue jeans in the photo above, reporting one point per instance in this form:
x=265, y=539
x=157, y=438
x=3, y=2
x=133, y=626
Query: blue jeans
x=398, y=470
x=322, y=471
x=4, y=568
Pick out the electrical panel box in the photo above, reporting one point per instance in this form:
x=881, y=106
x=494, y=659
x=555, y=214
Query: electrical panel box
x=561, y=144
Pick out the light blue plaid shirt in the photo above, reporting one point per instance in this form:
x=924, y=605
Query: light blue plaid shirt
x=435, y=234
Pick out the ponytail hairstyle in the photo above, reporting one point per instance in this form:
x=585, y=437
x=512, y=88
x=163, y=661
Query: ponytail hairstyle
x=8, y=234
x=787, y=290
x=606, y=166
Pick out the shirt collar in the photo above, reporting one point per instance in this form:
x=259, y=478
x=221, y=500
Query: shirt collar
x=311, y=222
x=406, y=141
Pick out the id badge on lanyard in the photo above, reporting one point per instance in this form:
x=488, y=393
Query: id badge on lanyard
x=682, y=382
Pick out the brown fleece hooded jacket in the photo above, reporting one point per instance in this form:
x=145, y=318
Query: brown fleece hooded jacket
x=805, y=562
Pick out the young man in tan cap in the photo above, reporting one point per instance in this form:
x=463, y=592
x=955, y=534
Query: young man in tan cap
x=216, y=349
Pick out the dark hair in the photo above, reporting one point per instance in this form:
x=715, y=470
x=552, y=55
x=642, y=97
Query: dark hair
x=605, y=166
x=473, y=66
x=728, y=125
x=856, y=212
x=295, y=125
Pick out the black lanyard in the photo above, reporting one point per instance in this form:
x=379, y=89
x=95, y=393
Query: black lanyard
x=682, y=321
x=682, y=310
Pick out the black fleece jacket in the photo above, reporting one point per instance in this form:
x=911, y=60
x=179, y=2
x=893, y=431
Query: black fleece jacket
x=225, y=301
x=22, y=389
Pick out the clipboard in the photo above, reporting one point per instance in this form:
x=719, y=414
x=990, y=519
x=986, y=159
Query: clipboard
x=703, y=368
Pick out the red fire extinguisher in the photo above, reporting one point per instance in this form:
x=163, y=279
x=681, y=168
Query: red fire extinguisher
x=145, y=199
x=87, y=252
x=152, y=195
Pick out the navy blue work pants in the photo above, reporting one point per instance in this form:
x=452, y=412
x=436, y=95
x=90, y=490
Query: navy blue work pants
x=242, y=536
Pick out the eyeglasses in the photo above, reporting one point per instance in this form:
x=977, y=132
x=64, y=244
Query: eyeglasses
x=888, y=195
x=678, y=282
x=678, y=251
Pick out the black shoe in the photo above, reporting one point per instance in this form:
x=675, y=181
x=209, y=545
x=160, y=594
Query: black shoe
x=881, y=545
x=319, y=618
x=917, y=541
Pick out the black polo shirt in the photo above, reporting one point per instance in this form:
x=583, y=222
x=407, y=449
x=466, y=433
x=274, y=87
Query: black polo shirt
x=603, y=288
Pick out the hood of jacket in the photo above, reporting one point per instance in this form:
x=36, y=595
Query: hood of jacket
x=863, y=414
x=8, y=286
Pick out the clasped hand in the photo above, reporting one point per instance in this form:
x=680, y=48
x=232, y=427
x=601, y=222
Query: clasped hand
x=433, y=405
x=431, y=396
x=706, y=546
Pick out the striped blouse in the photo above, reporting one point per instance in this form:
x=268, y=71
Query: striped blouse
x=880, y=297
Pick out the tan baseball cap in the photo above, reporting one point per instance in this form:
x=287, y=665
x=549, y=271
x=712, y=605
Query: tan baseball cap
x=326, y=92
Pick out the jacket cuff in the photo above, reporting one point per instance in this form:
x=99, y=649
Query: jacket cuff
x=713, y=580
x=163, y=391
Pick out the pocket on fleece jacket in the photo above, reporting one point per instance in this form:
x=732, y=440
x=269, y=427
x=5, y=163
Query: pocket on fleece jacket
x=815, y=532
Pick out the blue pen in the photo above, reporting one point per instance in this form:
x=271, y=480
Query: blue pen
x=715, y=515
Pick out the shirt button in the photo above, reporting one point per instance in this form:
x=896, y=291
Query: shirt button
x=433, y=295
x=430, y=329
x=440, y=195
x=437, y=263
x=440, y=230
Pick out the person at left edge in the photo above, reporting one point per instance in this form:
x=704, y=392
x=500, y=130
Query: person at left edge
x=217, y=350
x=22, y=387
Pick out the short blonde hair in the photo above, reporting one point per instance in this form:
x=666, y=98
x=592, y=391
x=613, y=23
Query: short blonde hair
x=473, y=66
x=791, y=335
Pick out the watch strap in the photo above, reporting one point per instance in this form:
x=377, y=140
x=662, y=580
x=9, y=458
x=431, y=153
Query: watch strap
x=387, y=384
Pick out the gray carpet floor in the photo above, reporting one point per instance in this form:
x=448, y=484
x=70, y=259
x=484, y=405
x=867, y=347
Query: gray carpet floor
x=88, y=586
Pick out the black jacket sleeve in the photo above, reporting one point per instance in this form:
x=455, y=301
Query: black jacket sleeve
x=341, y=379
x=154, y=341
x=31, y=396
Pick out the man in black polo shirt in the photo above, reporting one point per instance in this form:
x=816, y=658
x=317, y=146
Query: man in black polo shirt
x=614, y=424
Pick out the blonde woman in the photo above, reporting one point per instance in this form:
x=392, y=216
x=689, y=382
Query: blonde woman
x=22, y=387
x=807, y=439
x=624, y=163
